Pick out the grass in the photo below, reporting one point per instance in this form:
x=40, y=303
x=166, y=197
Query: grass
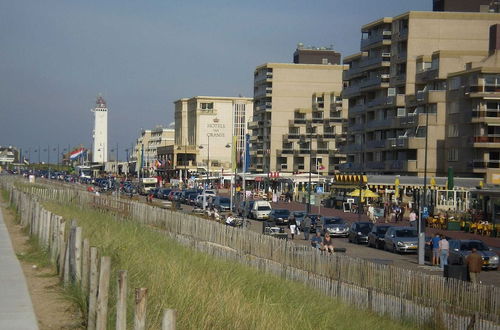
x=209, y=293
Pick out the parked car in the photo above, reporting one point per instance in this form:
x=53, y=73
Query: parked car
x=221, y=203
x=337, y=227
x=376, y=236
x=460, y=249
x=191, y=198
x=401, y=239
x=358, y=233
x=154, y=191
x=260, y=210
x=163, y=193
x=279, y=216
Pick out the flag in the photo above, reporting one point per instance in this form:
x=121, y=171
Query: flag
x=320, y=167
x=77, y=153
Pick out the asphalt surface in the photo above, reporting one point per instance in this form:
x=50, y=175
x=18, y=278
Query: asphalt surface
x=407, y=261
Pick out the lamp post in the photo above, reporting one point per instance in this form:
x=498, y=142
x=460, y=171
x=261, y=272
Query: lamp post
x=208, y=169
x=184, y=176
x=229, y=145
x=421, y=226
x=309, y=128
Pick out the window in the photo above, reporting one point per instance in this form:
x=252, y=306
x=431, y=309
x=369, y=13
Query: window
x=453, y=155
x=454, y=83
x=401, y=112
x=206, y=105
x=453, y=107
x=453, y=130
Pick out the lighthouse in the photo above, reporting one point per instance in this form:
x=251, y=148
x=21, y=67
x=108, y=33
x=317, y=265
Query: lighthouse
x=100, y=150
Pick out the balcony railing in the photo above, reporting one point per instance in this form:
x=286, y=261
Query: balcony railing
x=368, y=61
x=350, y=91
x=383, y=35
x=379, y=123
x=357, y=127
x=490, y=138
x=483, y=89
x=357, y=108
x=376, y=102
x=485, y=164
x=376, y=144
x=375, y=165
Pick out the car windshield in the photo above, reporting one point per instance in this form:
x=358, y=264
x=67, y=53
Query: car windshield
x=282, y=212
x=364, y=227
x=406, y=233
x=225, y=200
x=333, y=221
x=467, y=246
x=382, y=230
x=263, y=208
x=299, y=214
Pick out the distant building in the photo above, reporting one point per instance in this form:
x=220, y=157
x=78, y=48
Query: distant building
x=315, y=55
x=100, y=134
x=204, y=126
x=465, y=5
x=398, y=78
x=145, y=151
x=9, y=155
x=280, y=91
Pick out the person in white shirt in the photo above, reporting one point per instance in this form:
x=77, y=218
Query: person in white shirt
x=229, y=219
x=444, y=251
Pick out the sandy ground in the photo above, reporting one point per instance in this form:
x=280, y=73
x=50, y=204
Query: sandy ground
x=52, y=309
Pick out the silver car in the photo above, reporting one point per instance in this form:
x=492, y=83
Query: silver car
x=401, y=239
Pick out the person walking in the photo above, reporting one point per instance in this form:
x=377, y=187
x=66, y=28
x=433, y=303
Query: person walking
x=444, y=251
x=475, y=264
x=327, y=243
x=293, y=226
x=306, y=226
x=434, y=242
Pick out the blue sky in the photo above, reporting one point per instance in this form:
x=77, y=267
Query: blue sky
x=56, y=56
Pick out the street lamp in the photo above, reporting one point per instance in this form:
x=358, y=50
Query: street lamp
x=234, y=178
x=421, y=226
x=208, y=169
x=309, y=128
x=184, y=158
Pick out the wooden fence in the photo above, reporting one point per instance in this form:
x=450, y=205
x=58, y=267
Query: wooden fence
x=79, y=265
x=384, y=289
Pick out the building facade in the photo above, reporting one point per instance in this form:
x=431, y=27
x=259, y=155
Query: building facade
x=279, y=90
x=315, y=55
x=100, y=134
x=208, y=130
x=395, y=101
x=145, y=152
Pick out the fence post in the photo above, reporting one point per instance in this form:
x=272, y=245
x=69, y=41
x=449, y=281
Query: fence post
x=85, y=266
x=121, y=301
x=94, y=277
x=103, y=294
x=140, y=309
x=168, y=322
x=78, y=255
x=62, y=247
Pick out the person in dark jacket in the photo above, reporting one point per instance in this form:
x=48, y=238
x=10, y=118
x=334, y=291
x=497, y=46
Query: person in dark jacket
x=475, y=264
x=306, y=226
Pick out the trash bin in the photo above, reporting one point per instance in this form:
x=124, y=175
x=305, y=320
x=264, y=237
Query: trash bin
x=458, y=272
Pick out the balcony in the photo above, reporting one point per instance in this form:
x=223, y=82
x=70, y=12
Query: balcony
x=483, y=165
x=349, y=167
x=351, y=148
x=376, y=60
x=400, y=35
x=297, y=121
x=406, y=143
x=292, y=136
x=426, y=75
x=358, y=108
x=481, y=90
x=356, y=127
x=379, y=124
x=376, y=102
x=375, y=165
x=375, y=144
x=488, y=116
x=350, y=91
x=374, y=39
x=397, y=100
x=287, y=151
x=431, y=96
x=416, y=120
x=322, y=151
x=353, y=73
x=487, y=141
x=374, y=82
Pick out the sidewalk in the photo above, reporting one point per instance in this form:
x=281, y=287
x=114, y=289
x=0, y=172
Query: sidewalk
x=16, y=309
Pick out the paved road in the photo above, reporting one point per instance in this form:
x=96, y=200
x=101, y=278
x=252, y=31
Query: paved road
x=407, y=261
x=16, y=309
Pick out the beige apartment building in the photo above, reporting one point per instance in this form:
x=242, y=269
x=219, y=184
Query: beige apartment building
x=397, y=84
x=207, y=128
x=147, y=145
x=287, y=97
x=473, y=117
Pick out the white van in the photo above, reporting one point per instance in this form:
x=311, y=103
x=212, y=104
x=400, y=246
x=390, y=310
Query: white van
x=261, y=210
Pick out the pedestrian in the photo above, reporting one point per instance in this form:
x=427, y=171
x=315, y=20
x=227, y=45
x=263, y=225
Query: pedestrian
x=475, y=264
x=434, y=242
x=371, y=211
x=293, y=226
x=316, y=240
x=306, y=226
x=413, y=218
x=444, y=251
x=327, y=243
